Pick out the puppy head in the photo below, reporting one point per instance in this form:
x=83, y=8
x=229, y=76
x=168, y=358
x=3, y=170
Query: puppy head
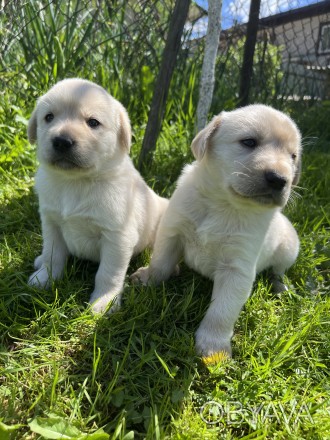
x=252, y=154
x=78, y=126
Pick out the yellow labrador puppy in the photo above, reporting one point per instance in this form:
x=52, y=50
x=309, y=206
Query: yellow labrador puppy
x=93, y=202
x=225, y=216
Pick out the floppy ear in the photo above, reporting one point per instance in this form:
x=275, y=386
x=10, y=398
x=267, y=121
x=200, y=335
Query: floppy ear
x=124, y=133
x=201, y=142
x=297, y=174
x=32, y=127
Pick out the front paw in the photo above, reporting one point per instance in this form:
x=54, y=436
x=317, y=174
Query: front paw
x=101, y=303
x=141, y=276
x=40, y=278
x=278, y=285
x=38, y=262
x=211, y=346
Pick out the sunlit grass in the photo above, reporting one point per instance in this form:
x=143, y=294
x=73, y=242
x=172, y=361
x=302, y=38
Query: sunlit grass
x=135, y=373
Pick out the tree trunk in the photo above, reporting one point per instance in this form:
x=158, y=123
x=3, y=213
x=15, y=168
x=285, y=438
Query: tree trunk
x=162, y=84
x=208, y=68
x=249, y=47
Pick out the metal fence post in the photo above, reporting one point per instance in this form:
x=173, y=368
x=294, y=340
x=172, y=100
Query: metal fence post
x=249, y=47
x=163, y=80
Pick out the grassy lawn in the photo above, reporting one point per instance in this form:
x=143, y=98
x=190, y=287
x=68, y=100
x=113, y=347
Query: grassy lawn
x=134, y=374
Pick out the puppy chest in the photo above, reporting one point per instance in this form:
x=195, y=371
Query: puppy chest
x=82, y=238
x=200, y=255
x=206, y=252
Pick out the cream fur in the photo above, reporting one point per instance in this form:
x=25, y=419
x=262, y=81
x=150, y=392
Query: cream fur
x=93, y=202
x=224, y=218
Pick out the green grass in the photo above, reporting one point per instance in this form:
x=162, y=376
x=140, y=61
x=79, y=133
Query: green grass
x=134, y=374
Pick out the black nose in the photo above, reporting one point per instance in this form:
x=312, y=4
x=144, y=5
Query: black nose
x=275, y=180
x=62, y=144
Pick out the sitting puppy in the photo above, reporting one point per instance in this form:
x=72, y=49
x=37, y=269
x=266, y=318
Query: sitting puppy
x=225, y=217
x=93, y=202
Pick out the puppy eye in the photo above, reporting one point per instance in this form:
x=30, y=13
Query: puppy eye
x=93, y=123
x=293, y=156
x=49, y=117
x=250, y=143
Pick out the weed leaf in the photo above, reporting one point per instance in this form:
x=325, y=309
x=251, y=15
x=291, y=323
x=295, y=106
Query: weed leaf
x=53, y=428
x=7, y=430
x=58, y=428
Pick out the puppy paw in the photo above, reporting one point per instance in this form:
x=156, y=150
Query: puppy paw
x=145, y=277
x=216, y=358
x=278, y=284
x=38, y=262
x=40, y=278
x=176, y=271
x=211, y=347
x=141, y=276
x=105, y=303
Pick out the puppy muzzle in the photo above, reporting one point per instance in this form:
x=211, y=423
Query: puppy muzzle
x=65, y=154
x=271, y=189
x=275, y=190
x=275, y=181
x=63, y=144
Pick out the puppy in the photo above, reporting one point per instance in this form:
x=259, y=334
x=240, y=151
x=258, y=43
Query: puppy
x=93, y=202
x=225, y=218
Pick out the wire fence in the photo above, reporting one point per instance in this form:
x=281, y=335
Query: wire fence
x=292, y=50
x=119, y=44
x=300, y=36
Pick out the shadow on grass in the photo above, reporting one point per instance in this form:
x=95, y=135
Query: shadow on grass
x=141, y=360
x=133, y=367
x=130, y=370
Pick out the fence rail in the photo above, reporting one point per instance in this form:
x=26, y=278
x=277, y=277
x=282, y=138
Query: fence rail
x=119, y=44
